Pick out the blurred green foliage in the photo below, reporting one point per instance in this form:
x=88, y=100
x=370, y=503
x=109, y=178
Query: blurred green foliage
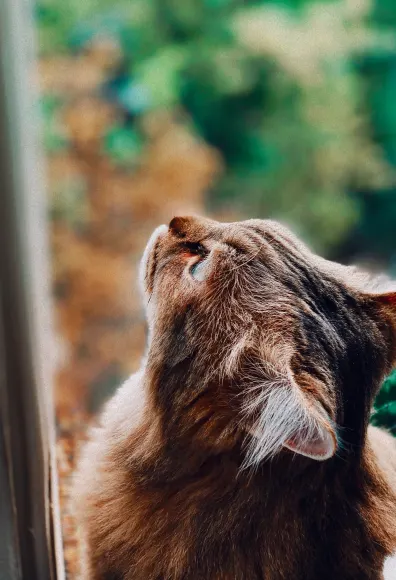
x=384, y=414
x=297, y=95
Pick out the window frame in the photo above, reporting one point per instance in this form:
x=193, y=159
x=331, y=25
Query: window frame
x=31, y=546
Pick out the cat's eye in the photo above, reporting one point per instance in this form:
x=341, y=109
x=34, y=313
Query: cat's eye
x=195, y=248
x=198, y=270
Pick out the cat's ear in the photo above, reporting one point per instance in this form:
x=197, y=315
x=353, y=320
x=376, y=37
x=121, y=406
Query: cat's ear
x=314, y=434
x=387, y=305
x=387, y=300
x=315, y=437
x=291, y=417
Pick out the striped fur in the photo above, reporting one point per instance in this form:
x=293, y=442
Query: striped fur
x=241, y=450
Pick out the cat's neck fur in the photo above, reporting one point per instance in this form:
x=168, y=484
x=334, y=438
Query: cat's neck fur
x=295, y=514
x=179, y=512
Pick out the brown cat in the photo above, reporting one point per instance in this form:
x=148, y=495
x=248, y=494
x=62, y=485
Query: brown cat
x=241, y=450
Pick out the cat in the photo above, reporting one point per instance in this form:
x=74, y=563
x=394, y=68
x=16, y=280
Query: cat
x=242, y=449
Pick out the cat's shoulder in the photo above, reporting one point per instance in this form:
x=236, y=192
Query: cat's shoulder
x=383, y=446
x=390, y=568
x=382, y=441
x=124, y=410
x=120, y=417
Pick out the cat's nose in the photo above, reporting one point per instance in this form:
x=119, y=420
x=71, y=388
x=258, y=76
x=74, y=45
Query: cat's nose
x=180, y=226
x=192, y=226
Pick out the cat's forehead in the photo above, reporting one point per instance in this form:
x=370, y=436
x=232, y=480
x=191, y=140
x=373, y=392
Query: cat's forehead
x=254, y=233
x=351, y=277
x=196, y=228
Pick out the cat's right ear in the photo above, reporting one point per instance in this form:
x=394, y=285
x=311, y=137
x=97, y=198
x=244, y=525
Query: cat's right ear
x=387, y=303
x=388, y=300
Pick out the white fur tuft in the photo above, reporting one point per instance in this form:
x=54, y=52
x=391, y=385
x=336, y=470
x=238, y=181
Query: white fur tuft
x=281, y=412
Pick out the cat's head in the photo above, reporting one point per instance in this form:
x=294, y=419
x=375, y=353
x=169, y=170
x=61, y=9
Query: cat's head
x=254, y=338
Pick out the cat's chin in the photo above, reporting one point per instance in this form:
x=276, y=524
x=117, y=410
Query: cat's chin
x=147, y=255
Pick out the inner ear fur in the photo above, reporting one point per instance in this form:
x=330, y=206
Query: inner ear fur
x=291, y=417
x=315, y=436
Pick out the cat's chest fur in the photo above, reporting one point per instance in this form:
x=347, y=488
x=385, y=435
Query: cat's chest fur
x=152, y=513
x=275, y=536
x=269, y=527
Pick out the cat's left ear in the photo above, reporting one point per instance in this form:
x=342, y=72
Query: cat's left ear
x=316, y=438
x=294, y=418
x=311, y=431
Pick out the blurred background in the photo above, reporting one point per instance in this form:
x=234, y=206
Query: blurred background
x=230, y=108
